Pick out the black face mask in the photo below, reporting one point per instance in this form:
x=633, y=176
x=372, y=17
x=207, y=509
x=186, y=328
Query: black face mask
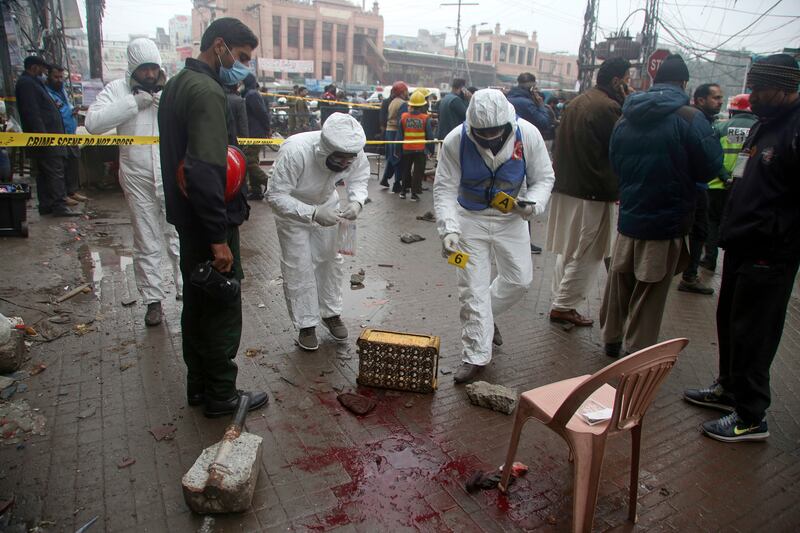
x=335, y=167
x=496, y=144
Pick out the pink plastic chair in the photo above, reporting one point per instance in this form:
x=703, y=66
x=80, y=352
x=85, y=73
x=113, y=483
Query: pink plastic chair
x=637, y=378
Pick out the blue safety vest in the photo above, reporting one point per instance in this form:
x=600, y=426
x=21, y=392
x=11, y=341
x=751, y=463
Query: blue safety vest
x=479, y=184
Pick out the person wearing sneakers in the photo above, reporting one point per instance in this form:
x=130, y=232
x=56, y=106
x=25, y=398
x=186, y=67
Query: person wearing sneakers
x=415, y=125
x=130, y=105
x=708, y=99
x=492, y=152
x=302, y=193
x=760, y=233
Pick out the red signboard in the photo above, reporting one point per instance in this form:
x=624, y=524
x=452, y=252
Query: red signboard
x=655, y=60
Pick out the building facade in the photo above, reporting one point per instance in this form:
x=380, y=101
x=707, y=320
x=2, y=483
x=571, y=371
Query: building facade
x=334, y=38
x=431, y=70
x=180, y=30
x=556, y=70
x=425, y=41
x=511, y=53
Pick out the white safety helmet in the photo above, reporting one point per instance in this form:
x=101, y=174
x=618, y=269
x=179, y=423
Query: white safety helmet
x=282, y=100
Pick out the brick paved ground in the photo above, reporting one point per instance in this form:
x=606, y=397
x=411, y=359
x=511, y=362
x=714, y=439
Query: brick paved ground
x=400, y=468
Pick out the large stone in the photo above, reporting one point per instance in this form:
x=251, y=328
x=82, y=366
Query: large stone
x=12, y=352
x=239, y=482
x=494, y=397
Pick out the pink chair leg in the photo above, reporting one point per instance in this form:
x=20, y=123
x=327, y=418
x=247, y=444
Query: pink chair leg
x=636, y=440
x=589, y=451
x=520, y=418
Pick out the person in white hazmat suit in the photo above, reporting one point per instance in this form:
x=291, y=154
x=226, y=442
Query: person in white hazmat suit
x=130, y=105
x=302, y=193
x=492, y=151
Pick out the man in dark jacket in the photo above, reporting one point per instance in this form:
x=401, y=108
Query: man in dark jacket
x=582, y=212
x=659, y=149
x=258, y=128
x=708, y=99
x=528, y=104
x=39, y=114
x=760, y=233
x=453, y=108
x=193, y=129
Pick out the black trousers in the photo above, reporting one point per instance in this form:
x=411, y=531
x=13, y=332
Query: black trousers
x=413, y=171
x=50, y=182
x=698, y=234
x=72, y=170
x=210, y=330
x=751, y=311
x=716, y=204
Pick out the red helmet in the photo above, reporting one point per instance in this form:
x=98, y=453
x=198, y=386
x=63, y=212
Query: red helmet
x=399, y=87
x=234, y=178
x=740, y=102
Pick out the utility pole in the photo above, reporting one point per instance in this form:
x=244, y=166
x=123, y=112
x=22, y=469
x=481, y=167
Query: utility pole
x=649, y=35
x=459, y=43
x=586, y=50
x=94, y=32
x=5, y=57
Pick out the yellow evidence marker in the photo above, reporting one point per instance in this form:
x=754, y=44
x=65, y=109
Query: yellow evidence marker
x=458, y=259
x=503, y=202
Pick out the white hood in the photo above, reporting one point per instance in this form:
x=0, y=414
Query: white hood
x=142, y=51
x=489, y=108
x=341, y=133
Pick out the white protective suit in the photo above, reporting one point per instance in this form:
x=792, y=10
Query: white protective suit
x=140, y=173
x=310, y=261
x=489, y=233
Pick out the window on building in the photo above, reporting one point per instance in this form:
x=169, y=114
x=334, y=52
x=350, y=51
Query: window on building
x=308, y=33
x=521, y=56
x=360, y=30
x=529, y=62
x=276, y=31
x=503, y=52
x=326, y=69
x=327, y=35
x=512, y=54
x=339, y=71
x=487, y=52
x=541, y=65
x=293, y=32
x=569, y=68
x=476, y=52
x=341, y=38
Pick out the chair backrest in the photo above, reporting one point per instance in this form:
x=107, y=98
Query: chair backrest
x=636, y=377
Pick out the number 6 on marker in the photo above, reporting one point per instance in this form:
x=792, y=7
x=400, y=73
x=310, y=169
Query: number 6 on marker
x=458, y=259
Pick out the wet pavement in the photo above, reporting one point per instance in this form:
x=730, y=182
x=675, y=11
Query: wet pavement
x=108, y=381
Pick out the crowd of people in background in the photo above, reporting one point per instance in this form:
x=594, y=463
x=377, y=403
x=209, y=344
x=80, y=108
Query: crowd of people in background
x=629, y=177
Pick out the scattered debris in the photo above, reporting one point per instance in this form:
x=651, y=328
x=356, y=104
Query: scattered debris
x=59, y=319
x=87, y=525
x=252, y=352
x=494, y=397
x=356, y=403
x=664, y=491
x=86, y=413
x=126, y=462
x=306, y=404
x=409, y=238
x=358, y=279
x=427, y=217
x=82, y=329
x=30, y=332
x=552, y=520
x=17, y=420
x=6, y=381
x=8, y=391
x=74, y=292
x=480, y=480
x=409, y=404
x=445, y=371
x=128, y=302
x=517, y=469
x=37, y=369
x=125, y=366
x=163, y=432
x=290, y=382
x=389, y=285
x=262, y=306
x=208, y=525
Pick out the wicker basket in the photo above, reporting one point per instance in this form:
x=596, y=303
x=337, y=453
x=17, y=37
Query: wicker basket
x=401, y=361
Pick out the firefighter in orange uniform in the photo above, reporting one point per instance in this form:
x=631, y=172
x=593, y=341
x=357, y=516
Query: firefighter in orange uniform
x=415, y=125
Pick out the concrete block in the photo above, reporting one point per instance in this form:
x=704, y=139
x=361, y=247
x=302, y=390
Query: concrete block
x=12, y=352
x=494, y=397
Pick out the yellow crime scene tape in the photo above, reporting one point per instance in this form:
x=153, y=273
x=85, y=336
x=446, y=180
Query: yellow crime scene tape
x=34, y=140
x=309, y=99
x=8, y=98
